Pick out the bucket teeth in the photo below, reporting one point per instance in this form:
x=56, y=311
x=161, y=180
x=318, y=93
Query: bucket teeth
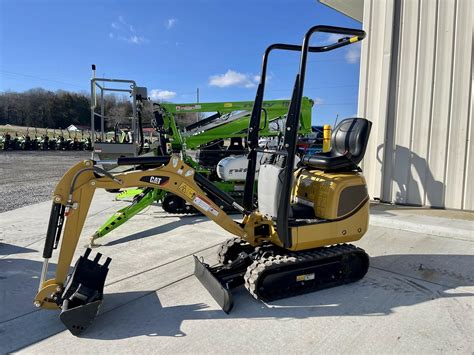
x=107, y=262
x=97, y=257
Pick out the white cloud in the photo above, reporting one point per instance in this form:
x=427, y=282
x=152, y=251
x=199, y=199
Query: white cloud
x=124, y=31
x=333, y=38
x=170, y=23
x=353, y=54
x=136, y=39
x=126, y=24
x=318, y=101
x=158, y=94
x=233, y=78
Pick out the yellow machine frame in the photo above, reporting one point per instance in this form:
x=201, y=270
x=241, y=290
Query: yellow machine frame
x=77, y=187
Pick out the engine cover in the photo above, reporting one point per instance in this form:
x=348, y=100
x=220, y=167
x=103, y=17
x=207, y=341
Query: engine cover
x=332, y=195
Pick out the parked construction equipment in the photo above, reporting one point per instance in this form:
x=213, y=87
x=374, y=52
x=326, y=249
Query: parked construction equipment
x=292, y=243
x=101, y=148
x=45, y=142
x=224, y=166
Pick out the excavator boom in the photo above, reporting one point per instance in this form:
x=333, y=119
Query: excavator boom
x=82, y=294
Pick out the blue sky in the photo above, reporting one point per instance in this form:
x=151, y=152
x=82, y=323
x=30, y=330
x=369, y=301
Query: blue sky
x=174, y=47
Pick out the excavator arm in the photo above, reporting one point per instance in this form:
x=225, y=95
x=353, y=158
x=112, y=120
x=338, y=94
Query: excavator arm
x=80, y=295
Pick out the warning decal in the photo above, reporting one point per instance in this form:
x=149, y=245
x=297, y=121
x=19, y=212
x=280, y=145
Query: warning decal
x=187, y=190
x=188, y=107
x=204, y=205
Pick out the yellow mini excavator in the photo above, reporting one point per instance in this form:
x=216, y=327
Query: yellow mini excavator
x=293, y=242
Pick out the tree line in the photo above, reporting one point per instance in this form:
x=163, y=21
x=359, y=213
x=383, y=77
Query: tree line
x=47, y=109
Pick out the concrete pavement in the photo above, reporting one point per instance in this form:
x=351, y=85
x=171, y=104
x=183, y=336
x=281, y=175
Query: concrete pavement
x=418, y=295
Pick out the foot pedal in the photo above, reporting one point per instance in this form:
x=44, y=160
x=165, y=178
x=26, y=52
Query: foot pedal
x=83, y=292
x=220, y=293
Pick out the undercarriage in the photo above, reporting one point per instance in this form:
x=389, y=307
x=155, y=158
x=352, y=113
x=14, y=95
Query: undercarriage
x=270, y=273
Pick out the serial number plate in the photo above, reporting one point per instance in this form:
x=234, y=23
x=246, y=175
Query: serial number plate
x=306, y=277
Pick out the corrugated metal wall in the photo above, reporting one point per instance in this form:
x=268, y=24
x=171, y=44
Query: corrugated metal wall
x=416, y=87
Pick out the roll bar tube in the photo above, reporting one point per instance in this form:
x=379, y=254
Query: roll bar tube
x=254, y=124
x=253, y=132
x=291, y=132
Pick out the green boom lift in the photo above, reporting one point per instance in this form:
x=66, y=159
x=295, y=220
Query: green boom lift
x=230, y=121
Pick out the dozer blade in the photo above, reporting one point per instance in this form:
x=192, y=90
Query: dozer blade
x=83, y=293
x=220, y=293
x=80, y=318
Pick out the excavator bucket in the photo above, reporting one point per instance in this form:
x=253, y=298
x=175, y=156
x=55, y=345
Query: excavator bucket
x=83, y=293
x=221, y=294
x=79, y=318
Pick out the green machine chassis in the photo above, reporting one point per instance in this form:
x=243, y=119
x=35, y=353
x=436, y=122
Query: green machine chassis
x=181, y=141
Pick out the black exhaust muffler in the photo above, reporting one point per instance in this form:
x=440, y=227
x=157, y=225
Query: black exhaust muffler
x=83, y=293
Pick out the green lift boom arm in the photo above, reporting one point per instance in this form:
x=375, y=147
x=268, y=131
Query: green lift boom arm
x=272, y=110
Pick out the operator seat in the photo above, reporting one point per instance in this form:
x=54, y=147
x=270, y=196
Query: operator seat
x=348, y=143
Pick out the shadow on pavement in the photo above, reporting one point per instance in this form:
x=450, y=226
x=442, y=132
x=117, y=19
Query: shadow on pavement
x=10, y=249
x=188, y=220
x=19, y=280
x=393, y=281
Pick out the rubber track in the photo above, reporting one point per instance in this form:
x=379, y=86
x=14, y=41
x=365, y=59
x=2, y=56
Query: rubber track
x=178, y=210
x=183, y=211
x=265, y=264
x=231, y=248
x=191, y=210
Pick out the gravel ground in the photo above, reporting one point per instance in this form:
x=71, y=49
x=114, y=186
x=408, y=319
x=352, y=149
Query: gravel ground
x=30, y=177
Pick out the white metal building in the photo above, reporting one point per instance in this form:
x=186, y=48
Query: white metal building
x=416, y=86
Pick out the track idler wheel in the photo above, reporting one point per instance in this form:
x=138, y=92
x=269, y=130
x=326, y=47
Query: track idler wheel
x=231, y=248
x=83, y=293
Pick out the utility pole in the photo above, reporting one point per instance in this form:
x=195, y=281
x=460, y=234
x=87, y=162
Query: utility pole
x=197, y=95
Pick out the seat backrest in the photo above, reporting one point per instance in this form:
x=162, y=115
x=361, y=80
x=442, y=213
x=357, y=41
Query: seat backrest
x=351, y=136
